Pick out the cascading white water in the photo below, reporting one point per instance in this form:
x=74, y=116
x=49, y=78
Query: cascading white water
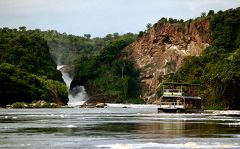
x=77, y=95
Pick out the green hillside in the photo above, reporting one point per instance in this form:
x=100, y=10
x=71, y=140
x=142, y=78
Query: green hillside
x=28, y=61
x=108, y=74
x=218, y=69
x=27, y=70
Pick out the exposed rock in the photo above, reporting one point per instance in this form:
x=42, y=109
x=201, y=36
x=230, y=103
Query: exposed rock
x=35, y=104
x=163, y=48
x=94, y=101
x=101, y=105
x=18, y=105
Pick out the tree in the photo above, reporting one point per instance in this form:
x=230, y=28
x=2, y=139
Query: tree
x=163, y=19
x=22, y=28
x=149, y=25
x=108, y=37
x=203, y=14
x=211, y=12
x=140, y=34
x=88, y=36
x=115, y=35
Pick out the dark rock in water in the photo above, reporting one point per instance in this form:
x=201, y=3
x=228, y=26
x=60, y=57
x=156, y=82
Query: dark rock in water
x=95, y=101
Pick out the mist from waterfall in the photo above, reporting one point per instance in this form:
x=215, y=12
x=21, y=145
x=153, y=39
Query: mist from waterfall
x=77, y=95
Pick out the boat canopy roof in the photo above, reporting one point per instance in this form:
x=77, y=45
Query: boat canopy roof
x=179, y=84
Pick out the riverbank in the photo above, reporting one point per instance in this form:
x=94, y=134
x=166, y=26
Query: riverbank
x=223, y=112
x=35, y=104
x=44, y=104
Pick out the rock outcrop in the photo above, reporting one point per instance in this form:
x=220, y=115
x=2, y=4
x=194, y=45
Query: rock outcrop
x=163, y=48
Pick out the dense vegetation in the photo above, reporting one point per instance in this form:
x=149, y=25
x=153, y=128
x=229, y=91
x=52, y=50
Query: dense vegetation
x=27, y=71
x=218, y=69
x=109, y=75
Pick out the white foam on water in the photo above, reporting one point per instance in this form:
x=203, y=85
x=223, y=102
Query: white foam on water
x=188, y=145
x=23, y=145
x=71, y=126
x=228, y=112
x=233, y=124
x=14, y=145
x=132, y=105
x=130, y=146
x=77, y=96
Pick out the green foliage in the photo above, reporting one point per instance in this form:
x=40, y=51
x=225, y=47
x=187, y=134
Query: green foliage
x=109, y=73
x=203, y=14
x=27, y=71
x=211, y=12
x=140, y=34
x=218, y=69
x=27, y=50
x=19, y=85
x=19, y=105
x=149, y=25
x=177, y=22
x=171, y=21
x=160, y=91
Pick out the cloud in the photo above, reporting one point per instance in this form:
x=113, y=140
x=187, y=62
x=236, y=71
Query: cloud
x=99, y=17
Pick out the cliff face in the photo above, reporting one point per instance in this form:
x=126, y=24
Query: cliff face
x=163, y=48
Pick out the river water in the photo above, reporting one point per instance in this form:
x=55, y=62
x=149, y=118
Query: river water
x=116, y=127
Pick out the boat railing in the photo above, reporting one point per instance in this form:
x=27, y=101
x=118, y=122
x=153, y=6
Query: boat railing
x=172, y=92
x=172, y=105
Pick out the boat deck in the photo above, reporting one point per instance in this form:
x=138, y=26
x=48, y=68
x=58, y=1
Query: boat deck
x=179, y=97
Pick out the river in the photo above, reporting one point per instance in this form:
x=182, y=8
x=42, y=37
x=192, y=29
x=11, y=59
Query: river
x=116, y=127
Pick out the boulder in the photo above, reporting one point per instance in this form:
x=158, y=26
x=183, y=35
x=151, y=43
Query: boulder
x=101, y=105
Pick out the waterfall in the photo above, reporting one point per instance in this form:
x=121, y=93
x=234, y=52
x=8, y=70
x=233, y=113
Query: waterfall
x=77, y=95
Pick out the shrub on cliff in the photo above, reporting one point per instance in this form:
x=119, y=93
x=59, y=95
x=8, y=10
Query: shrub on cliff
x=218, y=69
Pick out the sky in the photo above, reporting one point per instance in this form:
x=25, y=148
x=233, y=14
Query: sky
x=101, y=17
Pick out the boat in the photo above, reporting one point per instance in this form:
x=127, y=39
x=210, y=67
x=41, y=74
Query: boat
x=180, y=97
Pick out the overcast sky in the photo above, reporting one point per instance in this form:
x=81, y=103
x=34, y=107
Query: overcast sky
x=100, y=17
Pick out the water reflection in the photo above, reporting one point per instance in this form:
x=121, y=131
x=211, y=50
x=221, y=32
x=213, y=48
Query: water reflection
x=93, y=128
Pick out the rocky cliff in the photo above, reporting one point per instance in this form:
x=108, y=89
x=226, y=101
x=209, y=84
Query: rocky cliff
x=163, y=48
